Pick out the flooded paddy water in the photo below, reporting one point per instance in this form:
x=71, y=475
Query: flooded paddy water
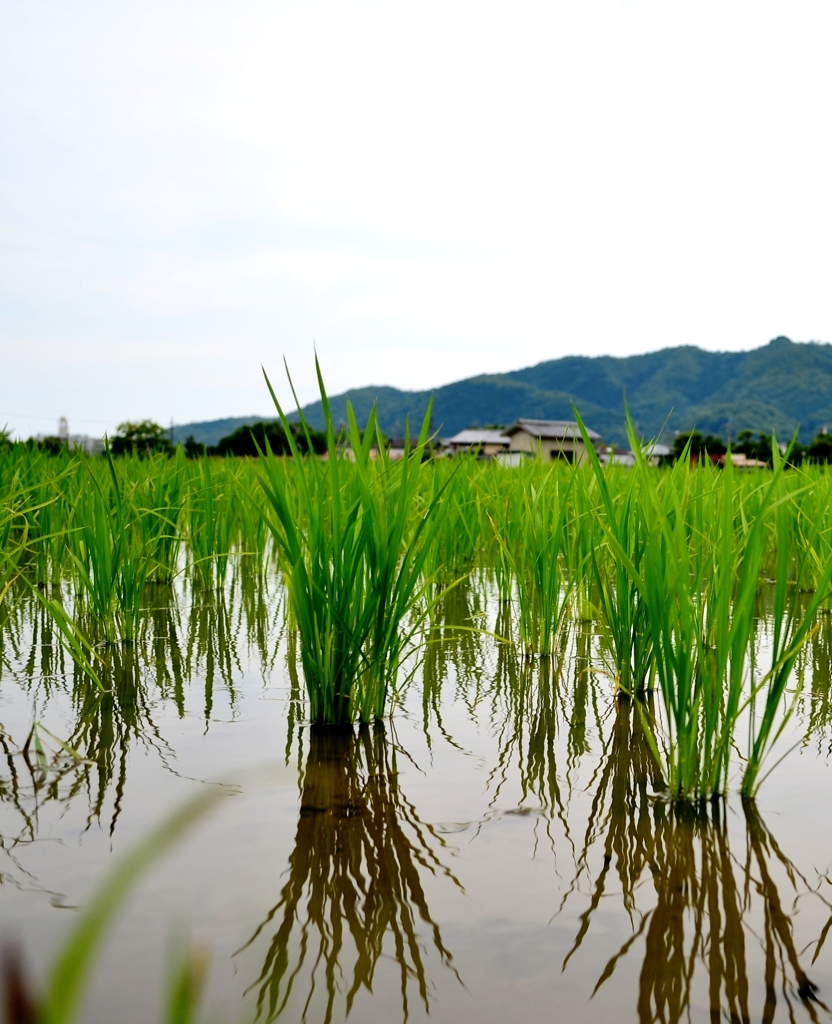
x=498, y=848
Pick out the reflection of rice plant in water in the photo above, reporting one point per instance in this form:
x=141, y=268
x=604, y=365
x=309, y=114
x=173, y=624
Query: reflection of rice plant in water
x=709, y=904
x=354, y=897
x=530, y=714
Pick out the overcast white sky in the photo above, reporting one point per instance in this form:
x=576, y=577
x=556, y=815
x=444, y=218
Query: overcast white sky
x=427, y=190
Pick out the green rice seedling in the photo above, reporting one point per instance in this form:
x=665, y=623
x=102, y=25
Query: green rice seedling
x=35, y=514
x=112, y=563
x=400, y=533
x=701, y=716
x=158, y=500
x=458, y=541
x=699, y=590
x=212, y=524
x=793, y=621
x=353, y=542
x=584, y=541
x=254, y=534
x=626, y=634
x=812, y=523
x=498, y=505
x=533, y=539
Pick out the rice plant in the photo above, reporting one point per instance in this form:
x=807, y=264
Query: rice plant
x=112, y=562
x=532, y=538
x=699, y=587
x=353, y=539
x=671, y=563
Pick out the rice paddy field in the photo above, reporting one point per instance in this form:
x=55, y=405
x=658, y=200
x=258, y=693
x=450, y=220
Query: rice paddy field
x=309, y=739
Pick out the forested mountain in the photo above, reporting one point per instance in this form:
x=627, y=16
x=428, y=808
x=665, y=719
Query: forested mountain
x=781, y=386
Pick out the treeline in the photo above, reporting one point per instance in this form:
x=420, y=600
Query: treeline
x=753, y=446
x=148, y=438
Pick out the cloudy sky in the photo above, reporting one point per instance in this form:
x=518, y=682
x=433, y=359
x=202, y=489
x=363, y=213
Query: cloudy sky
x=424, y=190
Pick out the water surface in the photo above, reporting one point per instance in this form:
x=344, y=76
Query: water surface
x=499, y=849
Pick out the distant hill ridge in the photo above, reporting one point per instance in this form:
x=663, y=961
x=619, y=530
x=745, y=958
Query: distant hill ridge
x=781, y=386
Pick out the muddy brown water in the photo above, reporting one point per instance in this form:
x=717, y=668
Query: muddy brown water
x=498, y=850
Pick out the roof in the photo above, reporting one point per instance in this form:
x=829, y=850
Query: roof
x=475, y=436
x=661, y=451
x=558, y=429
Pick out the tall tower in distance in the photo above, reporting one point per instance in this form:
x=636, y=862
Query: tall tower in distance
x=63, y=430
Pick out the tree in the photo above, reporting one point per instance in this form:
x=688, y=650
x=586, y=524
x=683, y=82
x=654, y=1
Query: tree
x=142, y=438
x=700, y=444
x=247, y=440
x=754, y=448
x=53, y=445
x=760, y=448
x=820, y=450
x=193, y=449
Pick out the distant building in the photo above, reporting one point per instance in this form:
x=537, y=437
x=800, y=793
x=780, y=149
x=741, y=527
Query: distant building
x=75, y=442
x=511, y=460
x=85, y=443
x=610, y=455
x=740, y=461
x=484, y=442
x=657, y=454
x=550, y=439
x=396, y=447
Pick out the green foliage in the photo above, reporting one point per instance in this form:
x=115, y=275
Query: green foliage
x=142, y=438
x=699, y=444
x=251, y=440
x=820, y=450
x=51, y=445
x=192, y=448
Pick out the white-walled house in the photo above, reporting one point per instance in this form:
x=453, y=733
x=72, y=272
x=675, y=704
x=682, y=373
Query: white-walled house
x=550, y=439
